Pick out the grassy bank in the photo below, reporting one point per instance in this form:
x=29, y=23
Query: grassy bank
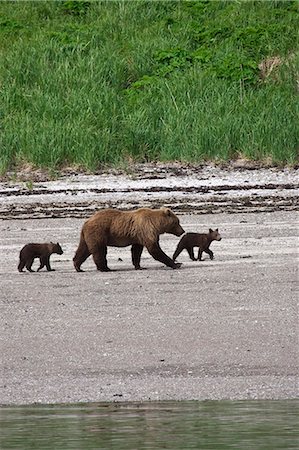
x=91, y=83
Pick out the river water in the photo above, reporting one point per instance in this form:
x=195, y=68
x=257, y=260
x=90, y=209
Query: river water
x=269, y=425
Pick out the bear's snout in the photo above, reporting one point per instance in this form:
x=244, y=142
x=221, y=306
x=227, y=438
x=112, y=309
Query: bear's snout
x=179, y=231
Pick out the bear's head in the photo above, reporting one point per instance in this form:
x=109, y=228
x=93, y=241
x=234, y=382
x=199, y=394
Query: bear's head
x=56, y=248
x=214, y=235
x=171, y=223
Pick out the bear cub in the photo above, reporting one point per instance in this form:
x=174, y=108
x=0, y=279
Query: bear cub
x=42, y=251
x=201, y=240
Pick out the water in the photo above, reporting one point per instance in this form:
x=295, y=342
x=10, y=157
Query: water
x=267, y=425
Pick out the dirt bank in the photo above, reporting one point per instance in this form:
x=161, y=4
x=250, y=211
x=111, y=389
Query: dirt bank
x=207, y=189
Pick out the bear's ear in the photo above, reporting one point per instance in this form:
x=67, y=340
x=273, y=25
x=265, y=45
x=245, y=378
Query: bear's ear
x=216, y=230
x=210, y=230
x=166, y=211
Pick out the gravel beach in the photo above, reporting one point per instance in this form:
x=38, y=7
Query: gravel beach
x=221, y=329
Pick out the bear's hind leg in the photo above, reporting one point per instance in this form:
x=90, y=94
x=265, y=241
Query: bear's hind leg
x=136, y=251
x=81, y=255
x=29, y=264
x=191, y=253
x=21, y=265
x=99, y=256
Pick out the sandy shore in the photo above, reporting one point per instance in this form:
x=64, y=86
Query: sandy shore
x=222, y=329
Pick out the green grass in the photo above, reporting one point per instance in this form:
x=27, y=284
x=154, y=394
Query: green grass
x=93, y=83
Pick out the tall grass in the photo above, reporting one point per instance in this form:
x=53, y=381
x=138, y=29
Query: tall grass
x=142, y=80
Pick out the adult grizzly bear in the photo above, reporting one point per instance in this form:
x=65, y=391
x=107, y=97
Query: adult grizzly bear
x=139, y=228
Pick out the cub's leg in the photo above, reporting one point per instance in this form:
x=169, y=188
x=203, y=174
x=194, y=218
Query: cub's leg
x=99, y=256
x=29, y=264
x=136, y=251
x=210, y=253
x=47, y=262
x=199, y=254
x=21, y=265
x=191, y=253
x=41, y=264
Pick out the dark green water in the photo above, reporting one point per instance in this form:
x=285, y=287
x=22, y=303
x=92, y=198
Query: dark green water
x=255, y=425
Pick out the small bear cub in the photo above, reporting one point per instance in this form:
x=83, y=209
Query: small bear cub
x=42, y=251
x=201, y=240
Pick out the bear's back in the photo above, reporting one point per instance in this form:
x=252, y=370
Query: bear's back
x=34, y=250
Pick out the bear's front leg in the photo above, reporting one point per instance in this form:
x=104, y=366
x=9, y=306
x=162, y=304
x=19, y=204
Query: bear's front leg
x=136, y=251
x=210, y=253
x=47, y=262
x=42, y=264
x=158, y=254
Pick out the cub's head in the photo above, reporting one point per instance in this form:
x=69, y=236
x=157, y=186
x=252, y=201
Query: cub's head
x=214, y=235
x=171, y=222
x=56, y=248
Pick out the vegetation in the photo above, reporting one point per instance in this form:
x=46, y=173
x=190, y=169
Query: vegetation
x=103, y=82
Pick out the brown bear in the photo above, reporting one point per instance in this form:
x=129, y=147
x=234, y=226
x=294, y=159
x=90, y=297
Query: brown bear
x=41, y=251
x=139, y=228
x=201, y=240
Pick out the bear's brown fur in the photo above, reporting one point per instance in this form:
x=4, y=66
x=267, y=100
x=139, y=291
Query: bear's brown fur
x=201, y=240
x=139, y=228
x=42, y=251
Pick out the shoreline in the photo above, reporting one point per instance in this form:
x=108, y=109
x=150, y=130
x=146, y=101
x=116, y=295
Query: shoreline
x=206, y=190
